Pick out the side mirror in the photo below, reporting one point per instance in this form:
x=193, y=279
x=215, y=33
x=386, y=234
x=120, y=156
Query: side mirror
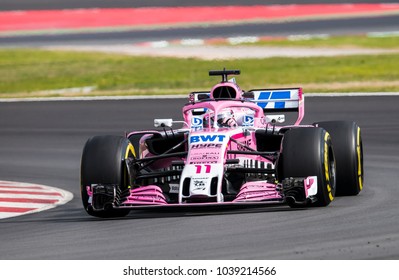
x=202, y=96
x=163, y=122
x=248, y=95
x=275, y=118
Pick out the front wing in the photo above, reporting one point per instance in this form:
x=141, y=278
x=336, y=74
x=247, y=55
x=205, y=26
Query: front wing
x=295, y=192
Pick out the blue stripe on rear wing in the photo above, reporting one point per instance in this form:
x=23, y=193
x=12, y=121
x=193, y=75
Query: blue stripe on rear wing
x=278, y=99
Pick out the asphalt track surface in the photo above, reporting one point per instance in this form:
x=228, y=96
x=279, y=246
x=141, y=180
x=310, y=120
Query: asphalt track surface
x=337, y=26
x=41, y=142
x=327, y=26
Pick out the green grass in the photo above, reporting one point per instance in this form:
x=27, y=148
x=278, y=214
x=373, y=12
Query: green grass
x=359, y=41
x=25, y=71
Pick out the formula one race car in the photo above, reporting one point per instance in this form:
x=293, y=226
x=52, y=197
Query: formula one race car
x=232, y=149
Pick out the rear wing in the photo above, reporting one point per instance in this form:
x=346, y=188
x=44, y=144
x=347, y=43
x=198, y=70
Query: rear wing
x=280, y=100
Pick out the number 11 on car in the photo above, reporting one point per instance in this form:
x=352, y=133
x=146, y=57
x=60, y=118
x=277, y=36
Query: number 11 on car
x=199, y=168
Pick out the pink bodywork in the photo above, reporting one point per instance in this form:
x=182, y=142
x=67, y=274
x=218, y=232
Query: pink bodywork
x=258, y=191
x=146, y=195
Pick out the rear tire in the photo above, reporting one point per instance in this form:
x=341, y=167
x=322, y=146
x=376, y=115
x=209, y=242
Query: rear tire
x=308, y=152
x=348, y=148
x=102, y=163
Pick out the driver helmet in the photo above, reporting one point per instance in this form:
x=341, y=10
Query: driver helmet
x=226, y=119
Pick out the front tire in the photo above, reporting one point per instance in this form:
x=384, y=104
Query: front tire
x=308, y=152
x=348, y=147
x=102, y=163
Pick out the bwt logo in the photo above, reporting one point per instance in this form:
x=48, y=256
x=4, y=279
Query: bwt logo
x=207, y=138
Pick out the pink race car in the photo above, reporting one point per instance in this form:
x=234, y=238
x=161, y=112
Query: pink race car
x=234, y=148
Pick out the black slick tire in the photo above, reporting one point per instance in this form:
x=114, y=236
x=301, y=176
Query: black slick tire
x=102, y=163
x=307, y=151
x=348, y=148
